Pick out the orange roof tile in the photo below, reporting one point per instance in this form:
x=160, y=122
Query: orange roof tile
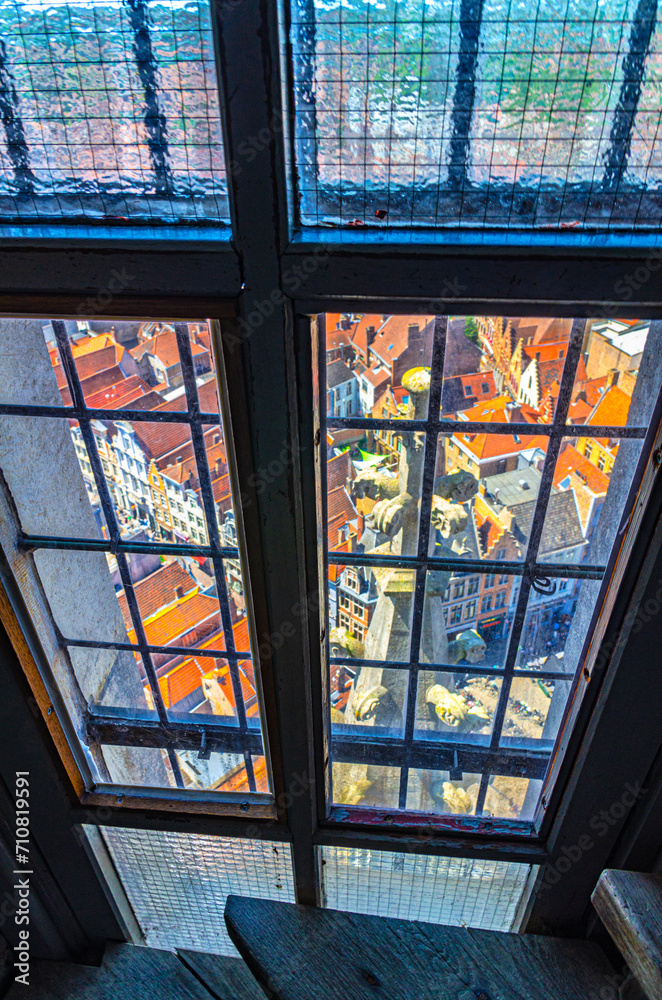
x=338, y=470
x=612, y=409
x=158, y=590
x=120, y=394
x=392, y=339
x=546, y=352
x=197, y=612
x=571, y=461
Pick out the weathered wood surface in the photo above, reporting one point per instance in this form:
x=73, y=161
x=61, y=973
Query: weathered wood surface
x=304, y=953
x=630, y=906
x=126, y=973
x=226, y=978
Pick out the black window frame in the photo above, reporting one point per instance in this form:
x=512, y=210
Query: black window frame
x=269, y=357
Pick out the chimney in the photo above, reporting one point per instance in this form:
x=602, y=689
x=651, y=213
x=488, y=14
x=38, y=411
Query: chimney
x=370, y=334
x=345, y=323
x=413, y=333
x=218, y=468
x=482, y=487
x=612, y=377
x=179, y=593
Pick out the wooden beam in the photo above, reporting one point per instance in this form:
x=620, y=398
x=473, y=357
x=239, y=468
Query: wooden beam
x=630, y=906
x=305, y=953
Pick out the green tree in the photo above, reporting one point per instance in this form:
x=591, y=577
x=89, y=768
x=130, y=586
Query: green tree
x=471, y=330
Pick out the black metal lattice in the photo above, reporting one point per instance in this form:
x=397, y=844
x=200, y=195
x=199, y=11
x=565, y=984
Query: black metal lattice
x=477, y=114
x=358, y=744
x=110, y=112
x=110, y=726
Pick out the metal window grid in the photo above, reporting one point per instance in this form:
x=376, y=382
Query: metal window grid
x=440, y=157
x=110, y=112
x=488, y=757
x=108, y=726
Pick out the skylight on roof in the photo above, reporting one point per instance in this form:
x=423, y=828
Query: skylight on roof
x=110, y=113
x=477, y=113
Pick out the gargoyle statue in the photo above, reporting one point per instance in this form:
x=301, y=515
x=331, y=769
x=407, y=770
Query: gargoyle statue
x=376, y=483
x=354, y=792
x=454, y=798
x=376, y=701
x=469, y=646
x=453, y=711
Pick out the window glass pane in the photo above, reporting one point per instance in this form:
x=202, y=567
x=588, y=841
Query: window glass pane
x=502, y=475
x=611, y=386
x=591, y=482
x=112, y=114
x=177, y=883
x=140, y=600
x=457, y=892
x=466, y=566
x=503, y=369
x=477, y=116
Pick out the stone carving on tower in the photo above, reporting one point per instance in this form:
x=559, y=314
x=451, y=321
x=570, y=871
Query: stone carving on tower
x=378, y=695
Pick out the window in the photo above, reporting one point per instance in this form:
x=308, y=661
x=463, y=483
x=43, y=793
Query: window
x=484, y=151
x=157, y=157
x=472, y=585
x=346, y=193
x=413, y=540
x=153, y=633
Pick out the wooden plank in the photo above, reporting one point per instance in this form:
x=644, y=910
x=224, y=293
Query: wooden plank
x=127, y=972
x=630, y=906
x=304, y=953
x=225, y=978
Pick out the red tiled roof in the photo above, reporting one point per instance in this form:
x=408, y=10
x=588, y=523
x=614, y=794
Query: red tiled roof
x=163, y=346
x=339, y=504
x=393, y=338
x=612, y=409
x=376, y=378
x=98, y=361
x=338, y=470
x=181, y=681
x=549, y=374
x=164, y=443
x=158, y=590
x=198, y=611
x=121, y=394
x=360, y=336
x=546, y=352
x=486, y=446
x=572, y=461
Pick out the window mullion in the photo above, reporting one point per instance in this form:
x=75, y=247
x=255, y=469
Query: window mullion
x=259, y=353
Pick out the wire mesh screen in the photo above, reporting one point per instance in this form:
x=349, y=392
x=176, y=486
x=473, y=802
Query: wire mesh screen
x=460, y=892
x=110, y=111
x=178, y=883
x=478, y=113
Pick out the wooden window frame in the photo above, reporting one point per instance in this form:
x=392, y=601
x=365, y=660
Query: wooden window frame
x=265, y=285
